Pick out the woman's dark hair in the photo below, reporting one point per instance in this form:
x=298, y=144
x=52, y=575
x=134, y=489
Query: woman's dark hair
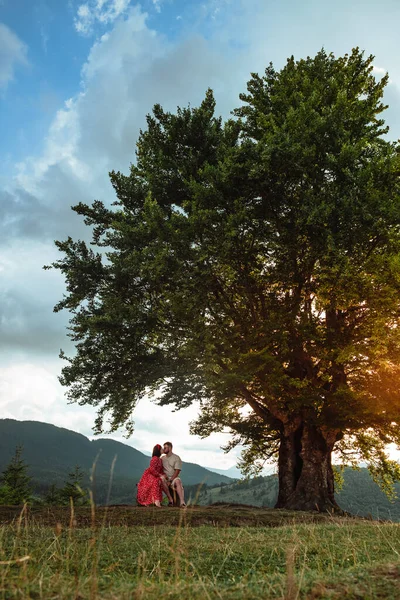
x=157, y=450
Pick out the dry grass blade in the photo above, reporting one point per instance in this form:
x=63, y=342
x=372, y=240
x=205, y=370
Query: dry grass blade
x=14, y=561
x=292, y=591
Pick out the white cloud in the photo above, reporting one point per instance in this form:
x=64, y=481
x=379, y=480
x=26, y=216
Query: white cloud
x=60, y=145
x=101, y=11
x=157, y=5
x=379, y=70
x=30, y=391
x=45, y=38
x=13, y=52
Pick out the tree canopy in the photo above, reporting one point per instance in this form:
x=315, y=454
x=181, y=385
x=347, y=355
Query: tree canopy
x=253, y=265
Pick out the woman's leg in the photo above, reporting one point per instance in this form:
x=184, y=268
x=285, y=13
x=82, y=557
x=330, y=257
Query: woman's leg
x=156, y=492
x=165, y=488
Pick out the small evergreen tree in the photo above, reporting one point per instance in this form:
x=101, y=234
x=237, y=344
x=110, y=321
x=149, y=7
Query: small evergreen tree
x=53, y=495
x=16, y=483
x=73, y=488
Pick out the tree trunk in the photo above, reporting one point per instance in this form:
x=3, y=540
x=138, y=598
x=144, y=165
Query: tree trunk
x=290, y=465
x=306, y=479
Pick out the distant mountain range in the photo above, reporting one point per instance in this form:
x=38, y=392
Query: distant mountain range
x=233, y=472
x=52, y=452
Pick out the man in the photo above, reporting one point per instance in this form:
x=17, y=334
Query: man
x=172, y=467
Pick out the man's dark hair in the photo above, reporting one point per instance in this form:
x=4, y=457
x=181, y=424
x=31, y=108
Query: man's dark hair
x=168, y=444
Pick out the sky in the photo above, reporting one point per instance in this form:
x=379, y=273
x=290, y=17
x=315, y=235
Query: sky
x=76, y=82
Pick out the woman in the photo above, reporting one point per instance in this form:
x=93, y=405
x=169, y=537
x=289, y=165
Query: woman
x=149, y=490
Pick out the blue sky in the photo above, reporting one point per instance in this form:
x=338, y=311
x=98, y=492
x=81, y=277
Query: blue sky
x=76, y=81
x=55, y=42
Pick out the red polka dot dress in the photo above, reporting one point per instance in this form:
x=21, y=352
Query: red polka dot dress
x=149, y=487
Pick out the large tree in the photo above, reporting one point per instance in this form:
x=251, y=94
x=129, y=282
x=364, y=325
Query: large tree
x=254, y=266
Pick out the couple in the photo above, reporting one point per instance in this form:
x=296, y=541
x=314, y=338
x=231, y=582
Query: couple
x=162, y=474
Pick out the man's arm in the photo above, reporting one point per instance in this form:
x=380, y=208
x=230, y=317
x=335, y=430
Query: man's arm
x=177, y=466
x=175, y=475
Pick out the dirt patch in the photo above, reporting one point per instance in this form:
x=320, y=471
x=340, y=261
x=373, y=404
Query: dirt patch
x=381, y=583
x=130, y=516
x=389, y=571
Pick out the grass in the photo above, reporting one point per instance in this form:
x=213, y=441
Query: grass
x=289, y=557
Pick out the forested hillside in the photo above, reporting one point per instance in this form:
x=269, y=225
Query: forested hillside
x=359, y=495
x=52, y=452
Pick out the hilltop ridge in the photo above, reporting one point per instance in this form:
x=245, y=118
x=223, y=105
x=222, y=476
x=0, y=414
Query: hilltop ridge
x=52, y=452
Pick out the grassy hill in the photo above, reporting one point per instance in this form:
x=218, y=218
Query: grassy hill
x=52, y=452
x=359, y=495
